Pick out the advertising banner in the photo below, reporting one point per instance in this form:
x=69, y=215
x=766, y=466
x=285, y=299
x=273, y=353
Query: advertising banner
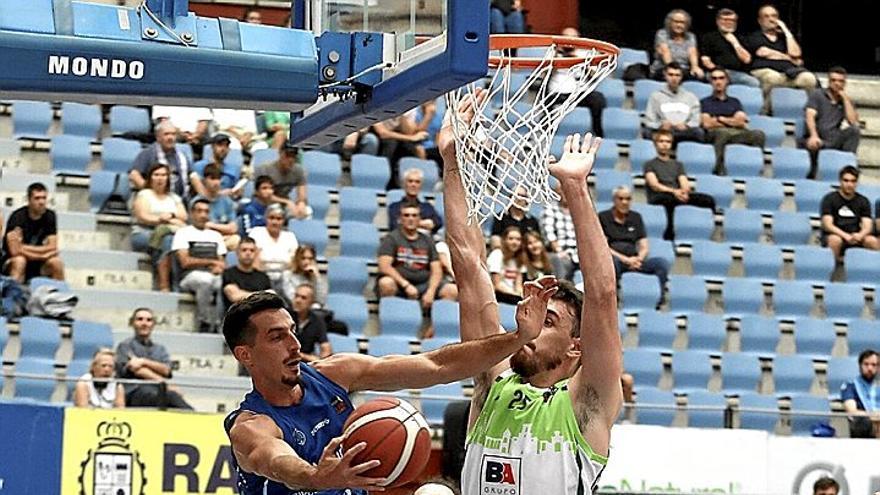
x=30, y=449
x=129, y=452
x=797, y=462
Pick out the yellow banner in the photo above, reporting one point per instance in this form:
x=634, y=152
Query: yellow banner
x=130, y=452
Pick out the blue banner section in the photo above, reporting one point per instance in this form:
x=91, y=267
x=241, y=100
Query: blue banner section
x=30, y=456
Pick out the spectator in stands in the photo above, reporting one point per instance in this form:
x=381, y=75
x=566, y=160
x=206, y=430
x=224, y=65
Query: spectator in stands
x=200, y=252
x=826, y=486
x=278, y=127
x=517, y=216
x=558, y=230
x=277, y=245
x=723, y=49
x=723, y=118
x=537, y=260
x=428, y=119
x=253, y=16
x=408, y=263
x=193, y=124
x=139, y=357
x=158, y=213
x=303, y=269
x=674, y=109
x=222, y=218
x=846, y=217
x=861, y=398
x=626, y=383
x=430, y=221
x=30, y=246
x=311, y=329
x=776, y=56
x=668, y=184
x=253, y=214
x=628, y=240
x=228, y=176
x=563, y=82
x=163, y=151
x=358, y=142
x=241, y=126
x=506, y=17
x=506, y=266
x=98, y=388
x=288, y=175
x=831, y=119
x=676, y=43
x=244, y=278
x=399, y=137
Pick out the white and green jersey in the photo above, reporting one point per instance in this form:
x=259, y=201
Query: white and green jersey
x=527, y=442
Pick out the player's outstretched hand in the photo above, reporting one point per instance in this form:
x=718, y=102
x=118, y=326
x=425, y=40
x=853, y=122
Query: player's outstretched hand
x=531, y=311
x=465, y=113
x=337, y=472
x=577, y=157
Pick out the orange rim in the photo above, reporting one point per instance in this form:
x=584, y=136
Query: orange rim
x=508, y=41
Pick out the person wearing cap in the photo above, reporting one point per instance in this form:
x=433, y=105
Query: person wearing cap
x=289, y=178
x=228, y=175
x=277, y=245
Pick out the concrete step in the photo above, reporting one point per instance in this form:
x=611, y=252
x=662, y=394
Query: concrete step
x=204, y=365
x=11, y=200
x=180, y=343
x=104, y=259
x=85, y=278
x=173, y=311
x=78, y=239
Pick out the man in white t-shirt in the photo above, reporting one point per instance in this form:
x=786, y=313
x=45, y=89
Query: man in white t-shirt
x=276, y=244
x=200, y=253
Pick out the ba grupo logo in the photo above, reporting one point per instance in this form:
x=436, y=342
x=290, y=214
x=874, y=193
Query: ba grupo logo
x=112, y=466
x=500, y=476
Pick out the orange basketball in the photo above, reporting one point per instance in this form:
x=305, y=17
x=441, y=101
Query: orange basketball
x=396, y=434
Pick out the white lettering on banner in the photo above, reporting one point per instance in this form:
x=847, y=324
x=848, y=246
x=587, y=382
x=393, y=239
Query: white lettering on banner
x=96, y=67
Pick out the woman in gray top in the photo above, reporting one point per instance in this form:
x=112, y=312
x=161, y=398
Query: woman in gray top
x=304, y=270
x=676, y=43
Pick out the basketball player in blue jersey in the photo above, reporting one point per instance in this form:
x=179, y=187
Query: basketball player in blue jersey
x=540, y=422
x=286, y=434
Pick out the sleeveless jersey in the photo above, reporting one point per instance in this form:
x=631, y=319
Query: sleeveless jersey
x=526, y=441
x=307, y=427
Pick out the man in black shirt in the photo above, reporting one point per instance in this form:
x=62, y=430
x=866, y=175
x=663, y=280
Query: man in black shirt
x=516, y=216
x=243, y=279
x=311, y=331
x=846, y=217
x=30, y=246
x=724, y=119
x=825, y=113
x=722, y=48
x=628, y=241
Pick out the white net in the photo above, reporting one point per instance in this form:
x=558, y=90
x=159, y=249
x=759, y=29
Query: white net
x=503, y=152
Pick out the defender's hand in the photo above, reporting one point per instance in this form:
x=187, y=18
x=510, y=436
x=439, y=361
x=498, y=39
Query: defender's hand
x=577, y=158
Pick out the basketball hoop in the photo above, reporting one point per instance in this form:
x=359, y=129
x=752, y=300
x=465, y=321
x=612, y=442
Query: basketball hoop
x=507, y=146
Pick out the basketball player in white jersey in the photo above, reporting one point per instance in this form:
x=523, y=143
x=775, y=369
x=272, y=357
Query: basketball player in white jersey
x=540, y=422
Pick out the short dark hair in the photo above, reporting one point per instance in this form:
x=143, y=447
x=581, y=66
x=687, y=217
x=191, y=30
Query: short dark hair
x=848, y=169
x=197, y=200
x=262, y=180
x=866, y=354
x=569, y=294
x=661, y=132
x=237, y=327
x=212, y=171
x=826, y=482
x=837, y=70
x=673, y=65
x=718, y=68
x=35, y=187
x=135, y=312
x=724, y=12
x=410, y=204
x=247, y=240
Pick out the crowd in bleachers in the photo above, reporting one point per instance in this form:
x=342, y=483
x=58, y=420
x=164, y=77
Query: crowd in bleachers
x=695, y=183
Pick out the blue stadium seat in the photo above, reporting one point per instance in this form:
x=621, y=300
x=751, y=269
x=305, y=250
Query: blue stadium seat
x=444, y=316
x=742, y=296
x=844, y=301
x=312, y=232
x=35, y=388
x=101, y=186
x=383, y=345
x=187, y=151
x=399, y=316
x=814, y=337
x=808, y=195
x=774, y=129
x=323, y=168
x=435, y=343
x=654, y=218
x=76, y=369
x=369, y=172
x=743, y=226
x=659, y=248
x=613, y=90
x=357, y=204
x=793, y=374
x=758, y=334
x=347, y=275
x=577, y=121
x=232, y=164
x=639, y=291
x=263, y=156
x=507, y=315
x=117, y=154
x=4, y=334
x=88, y=337
x=662, y=414
x=762, y=261
x=31, y=119
x=691, y=370
x=803, y=424
x=656, y=330
x=710, y=259
x=606, y=157
x=705, y=409
x=861, y=335
x=78, y=119
x=627, y=57
x=70, y=154
x=813, y=263
x=698, y=158
x=622, y=124
x=350, y=309
x=641, y=151
x=644, y=365
x=429, y=168
x=693, y=224
x=319, y=200
x=791, y=228
x=752, y=99
x=434, y=409
x=740, y=372
x=831, y=161
x=743, y=161
x=788, y=103
x=706, y=332
x=125, y=120
x=698, y=88
x=359, y=240
x=758, y=412
x=608, y=180
x=686, y=294
x=642, y=90
x=39, y=338
x=793, y=299
x=343, y=343
x=840, y=370
x=863, y=266
x=720, y=188
x=790, y=163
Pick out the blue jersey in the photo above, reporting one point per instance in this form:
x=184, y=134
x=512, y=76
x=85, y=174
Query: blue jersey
x=307, y=427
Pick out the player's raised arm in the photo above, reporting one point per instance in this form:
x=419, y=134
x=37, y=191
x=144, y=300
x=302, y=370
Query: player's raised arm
x=596, y=384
